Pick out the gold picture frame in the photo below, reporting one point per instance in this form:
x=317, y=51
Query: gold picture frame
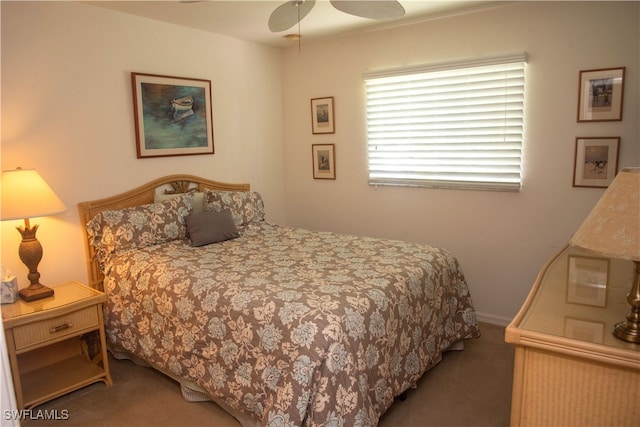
x=600, y=95
x=324, y=161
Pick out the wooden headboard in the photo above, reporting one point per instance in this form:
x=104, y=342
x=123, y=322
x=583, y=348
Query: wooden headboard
x=141, y=195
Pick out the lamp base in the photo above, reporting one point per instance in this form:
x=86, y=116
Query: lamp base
x=630, y=329
x=35, y=292
x=627, y=331
x=30, y=251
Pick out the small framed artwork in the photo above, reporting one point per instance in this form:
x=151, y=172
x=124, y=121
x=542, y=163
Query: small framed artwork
x=324, y=161
x=600, y=95
x=596, y=161
x=587, y=280
x=584, y=330
x=322, y=115
x=173, y=115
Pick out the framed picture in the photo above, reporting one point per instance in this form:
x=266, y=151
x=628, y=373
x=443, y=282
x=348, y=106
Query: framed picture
x=584, y=330
x=596, y=161
x=324, y=161
x=322, y=115
x=600, y=95
x=587, y=280
x=173, y=115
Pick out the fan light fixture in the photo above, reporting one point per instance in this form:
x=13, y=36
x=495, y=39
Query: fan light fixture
x=292, y=12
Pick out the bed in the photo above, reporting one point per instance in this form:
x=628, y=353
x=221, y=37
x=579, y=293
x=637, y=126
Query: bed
x=278, y=325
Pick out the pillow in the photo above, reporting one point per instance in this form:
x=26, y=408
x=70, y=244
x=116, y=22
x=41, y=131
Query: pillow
x=198, y=199
x=139, y=226
x=211, y=227
x=244, y=206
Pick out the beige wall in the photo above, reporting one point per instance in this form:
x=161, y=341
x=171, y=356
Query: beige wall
x=67, y=112
x=501, y=239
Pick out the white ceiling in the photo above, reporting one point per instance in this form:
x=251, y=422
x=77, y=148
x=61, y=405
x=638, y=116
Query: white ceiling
x=247, y=19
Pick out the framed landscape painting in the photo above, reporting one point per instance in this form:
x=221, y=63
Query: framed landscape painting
x=173, y=115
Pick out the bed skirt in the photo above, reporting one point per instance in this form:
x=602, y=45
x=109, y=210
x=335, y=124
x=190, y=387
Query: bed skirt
x=193, y=393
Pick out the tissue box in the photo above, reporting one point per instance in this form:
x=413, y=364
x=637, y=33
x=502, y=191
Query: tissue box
x=9, y=290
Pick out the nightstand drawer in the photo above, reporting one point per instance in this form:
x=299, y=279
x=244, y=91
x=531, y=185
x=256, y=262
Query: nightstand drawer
x=55, y=328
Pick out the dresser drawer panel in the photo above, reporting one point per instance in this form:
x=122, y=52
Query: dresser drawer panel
x=55, y=328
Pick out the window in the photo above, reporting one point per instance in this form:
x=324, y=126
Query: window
x=447, y=125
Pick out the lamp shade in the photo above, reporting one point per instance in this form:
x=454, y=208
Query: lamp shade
x=26, y=195
x=612, y=229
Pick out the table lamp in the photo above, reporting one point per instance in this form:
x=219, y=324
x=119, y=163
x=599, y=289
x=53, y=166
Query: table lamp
x=26, y=195
x=612, y=229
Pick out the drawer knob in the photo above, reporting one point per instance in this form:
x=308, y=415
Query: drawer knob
x=60, y=327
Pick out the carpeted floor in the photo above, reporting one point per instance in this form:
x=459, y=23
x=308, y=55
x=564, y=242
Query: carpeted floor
x=470, y=388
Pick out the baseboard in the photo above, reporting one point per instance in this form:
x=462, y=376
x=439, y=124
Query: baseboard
x=493, y=319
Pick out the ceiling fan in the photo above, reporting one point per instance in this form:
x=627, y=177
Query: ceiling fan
x=290, y=13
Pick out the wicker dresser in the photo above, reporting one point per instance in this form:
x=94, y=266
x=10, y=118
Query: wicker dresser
x=569, y=369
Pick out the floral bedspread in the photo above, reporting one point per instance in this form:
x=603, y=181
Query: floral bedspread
x=291, y=326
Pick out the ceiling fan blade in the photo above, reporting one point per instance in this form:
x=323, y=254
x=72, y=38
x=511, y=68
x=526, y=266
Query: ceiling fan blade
x=288, y=14
x=372, y=9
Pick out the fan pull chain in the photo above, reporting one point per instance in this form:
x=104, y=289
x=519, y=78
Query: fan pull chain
x=299, y=36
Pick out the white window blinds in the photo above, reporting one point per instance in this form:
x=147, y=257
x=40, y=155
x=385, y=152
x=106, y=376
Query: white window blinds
x=447, y=125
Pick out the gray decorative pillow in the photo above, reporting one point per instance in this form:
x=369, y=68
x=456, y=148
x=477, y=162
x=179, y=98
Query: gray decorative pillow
x=245, y=206
x=211, y=227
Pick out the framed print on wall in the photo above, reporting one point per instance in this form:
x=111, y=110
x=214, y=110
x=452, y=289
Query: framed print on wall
x=324, y=161
x=322, y=115
x=587, y=280
x=173, y=115
x=600, y=95
x=596, y=161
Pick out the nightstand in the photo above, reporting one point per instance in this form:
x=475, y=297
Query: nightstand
x=569, y=368
x=56, y=344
